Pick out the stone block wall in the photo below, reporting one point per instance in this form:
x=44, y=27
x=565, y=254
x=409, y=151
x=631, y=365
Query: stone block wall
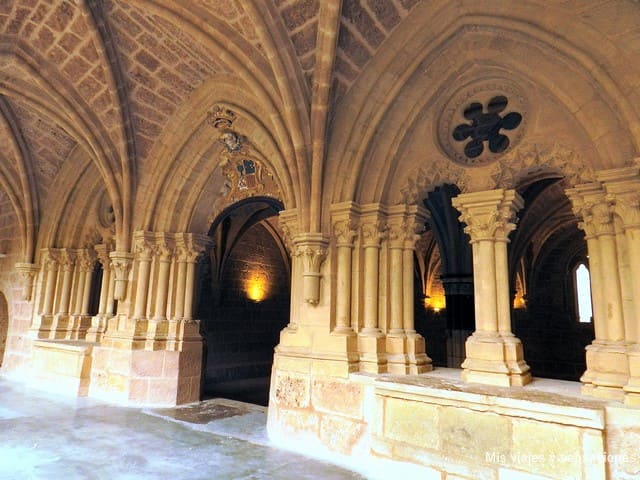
x=240, y=332
x=452, y=430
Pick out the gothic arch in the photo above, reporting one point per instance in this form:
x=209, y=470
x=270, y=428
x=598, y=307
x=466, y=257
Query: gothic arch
x=389, y=107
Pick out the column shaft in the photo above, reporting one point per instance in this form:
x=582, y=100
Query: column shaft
x=343, y=293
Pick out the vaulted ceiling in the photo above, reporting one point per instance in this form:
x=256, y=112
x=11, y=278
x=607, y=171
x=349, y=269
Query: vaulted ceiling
x=108, y=83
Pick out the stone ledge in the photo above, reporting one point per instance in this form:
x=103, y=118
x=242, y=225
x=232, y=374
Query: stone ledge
x=519, y=402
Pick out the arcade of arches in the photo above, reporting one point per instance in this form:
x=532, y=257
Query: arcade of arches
x=374, y=210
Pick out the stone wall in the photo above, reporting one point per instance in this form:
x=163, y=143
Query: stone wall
x=454, y=430
x=241, y=332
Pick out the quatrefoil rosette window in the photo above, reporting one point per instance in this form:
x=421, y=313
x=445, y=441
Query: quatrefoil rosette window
x=482, y=122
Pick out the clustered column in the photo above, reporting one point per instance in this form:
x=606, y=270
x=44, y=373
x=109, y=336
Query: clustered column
x=161, y=315
x=106, y=304
x=609, y=210
x=493, y=354
x=374, y=297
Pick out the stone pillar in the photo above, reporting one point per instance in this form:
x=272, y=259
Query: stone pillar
x=371, y=339
x=607, y=366
x=99, y=321
x=493, y=354
x=418, y=361
x=81, y=320
x=143, y=259
x=344, y=219
x=622, y=186
x=43, y=321
x=344, y=229
x=61, y=322
x=397, y=360
x=139, y=360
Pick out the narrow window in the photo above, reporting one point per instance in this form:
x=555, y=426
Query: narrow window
x=583, y=293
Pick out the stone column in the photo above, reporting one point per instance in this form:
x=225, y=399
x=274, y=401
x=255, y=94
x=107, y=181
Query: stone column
x=344, y=230
x=61, y=321
x=397, y=361
x=622, y=186
x=99, y=321
x=81, y=319
x=607, y=366
x=371, y=340
x=51, y=268
x=493, y=354
x=43, y=322
x=143, y=258
x=163, y=257
x=418, y=361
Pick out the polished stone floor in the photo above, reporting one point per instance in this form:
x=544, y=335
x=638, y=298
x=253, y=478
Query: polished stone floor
x=52, y=437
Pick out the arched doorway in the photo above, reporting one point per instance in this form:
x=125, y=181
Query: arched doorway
x=546, y=250
x=446, y=318
x=4, y=325
x=244, y=300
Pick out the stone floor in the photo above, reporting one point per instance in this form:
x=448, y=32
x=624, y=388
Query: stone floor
x=47, y=436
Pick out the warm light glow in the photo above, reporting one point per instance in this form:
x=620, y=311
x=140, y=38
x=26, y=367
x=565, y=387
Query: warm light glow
x=435, y=302
x=256, y=288
x=519, y=301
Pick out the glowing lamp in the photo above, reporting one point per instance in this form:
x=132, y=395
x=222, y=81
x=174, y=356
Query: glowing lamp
x=256, y=288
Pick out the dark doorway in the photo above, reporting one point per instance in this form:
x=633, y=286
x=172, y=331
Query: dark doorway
x=244, y=301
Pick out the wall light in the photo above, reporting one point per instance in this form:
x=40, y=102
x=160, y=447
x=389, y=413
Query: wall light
x=256, y=288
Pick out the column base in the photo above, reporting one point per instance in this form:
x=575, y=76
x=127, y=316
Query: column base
x=607, y=370
x=419, y=361
x=632, y=388
x=494, y=359
x=79, y=325
x=97, y=328
x=61, y=328
x=44, y=329
x=373, y=355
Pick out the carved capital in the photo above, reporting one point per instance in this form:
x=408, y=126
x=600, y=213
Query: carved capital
x=373, y=232
x=67, y=260
x=51, y=260
x=488, y=215
x=102, y=255
x=86, y=259
x=121, y=264
x=312, y=249
x=345, y=231
x=627, y=207
x=28, y=272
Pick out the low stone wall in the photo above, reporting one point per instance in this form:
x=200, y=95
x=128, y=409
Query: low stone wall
x=456, y=430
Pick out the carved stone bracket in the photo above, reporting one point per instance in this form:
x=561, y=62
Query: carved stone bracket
x=28, y=273
x=121, y=263
x=312, y=248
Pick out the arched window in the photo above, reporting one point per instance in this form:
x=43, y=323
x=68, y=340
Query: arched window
x=583, y=293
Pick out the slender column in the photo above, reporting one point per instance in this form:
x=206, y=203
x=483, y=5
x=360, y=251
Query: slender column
x=87, y=267
x=67, y=261
x=607, y=365
x=143, y=257
x=103, y=258
x=163, y=254
x=51, y=269
x=371, y=234
x=494, y=354
x=418, y=361
x=344, y=230
x=371, y=340
x=192, y=258
x=396, y=247
x=623, y=192
x=110, y=308
x=180, y=281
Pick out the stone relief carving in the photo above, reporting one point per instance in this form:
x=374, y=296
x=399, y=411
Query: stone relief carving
x=531, y=158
